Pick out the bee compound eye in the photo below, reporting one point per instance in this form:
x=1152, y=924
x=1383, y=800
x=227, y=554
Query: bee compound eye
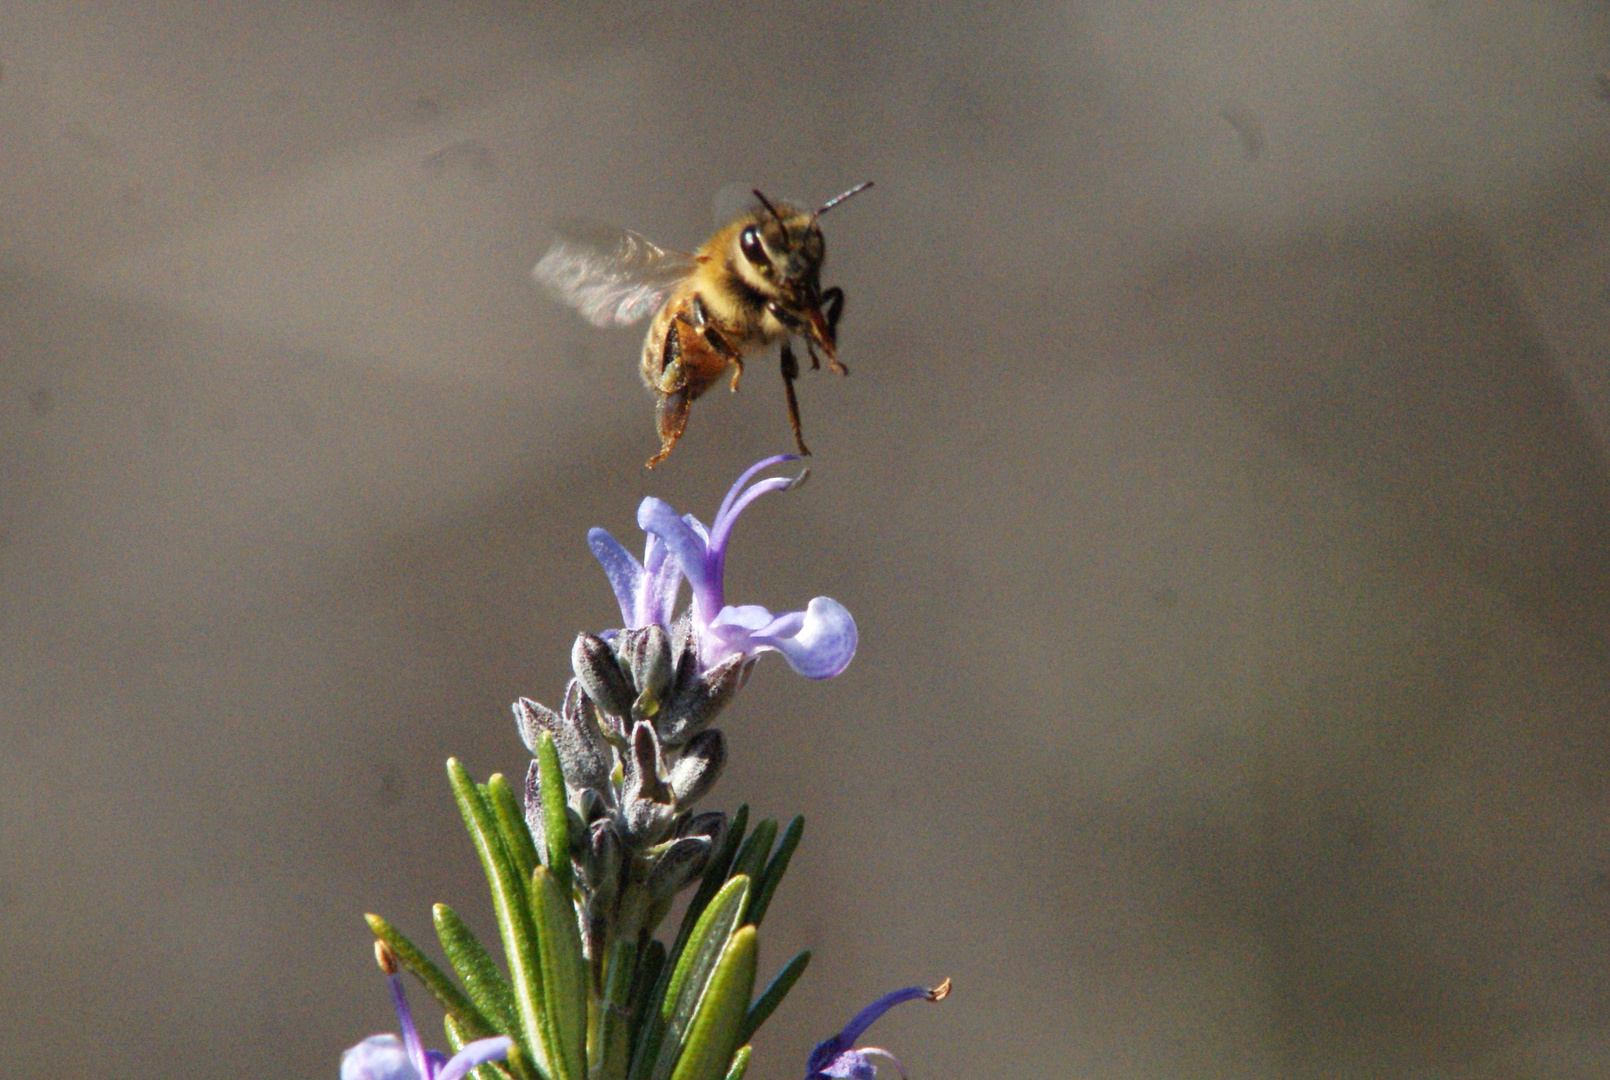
x=749, y=244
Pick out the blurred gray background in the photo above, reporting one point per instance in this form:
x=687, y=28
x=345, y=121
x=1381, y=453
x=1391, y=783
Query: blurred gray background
x=1221, y=491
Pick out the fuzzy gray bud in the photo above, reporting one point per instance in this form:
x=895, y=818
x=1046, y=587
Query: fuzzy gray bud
x=683, y=861
x=601, y=864
x=575, y=737
x=646, y=654
x=698, y=768
x=647, y=802
x=601, y=676
x=700, y=699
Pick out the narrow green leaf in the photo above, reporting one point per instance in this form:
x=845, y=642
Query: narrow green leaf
x=773, y=995
x=555, y=819
x=511, y=824
x=564, y=971
x=478, y=972
x=776, y=867
x=715, y=876
x=646, y=1039
x=608, y=1052
x=698, y=961
x=740, y=1063
x=514, y=920
x=712, y=1035
x=751, y=858
x=649, y=967
x=433, y=979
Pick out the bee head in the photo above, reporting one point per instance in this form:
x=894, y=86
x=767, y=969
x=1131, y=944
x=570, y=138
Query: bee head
x=779, y=254
x=780, y=249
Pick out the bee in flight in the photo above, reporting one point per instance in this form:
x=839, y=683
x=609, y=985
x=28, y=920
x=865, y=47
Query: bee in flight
x=755, y=282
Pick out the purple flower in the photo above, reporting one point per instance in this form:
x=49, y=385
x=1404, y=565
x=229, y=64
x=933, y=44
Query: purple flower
x=817, y=642
x=835, y=1057
x=386, y=1057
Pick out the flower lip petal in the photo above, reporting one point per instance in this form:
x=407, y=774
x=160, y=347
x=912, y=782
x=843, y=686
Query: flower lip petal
x=821, y=645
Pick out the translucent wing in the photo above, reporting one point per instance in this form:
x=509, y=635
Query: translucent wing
x=613, y=277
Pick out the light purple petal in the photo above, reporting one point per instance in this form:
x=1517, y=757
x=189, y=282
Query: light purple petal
x=818, y=645
x=379, y=1057
x=661, y=583
x=687, y=547
x=746, y=617
x=476, y=1053
x=625, y=573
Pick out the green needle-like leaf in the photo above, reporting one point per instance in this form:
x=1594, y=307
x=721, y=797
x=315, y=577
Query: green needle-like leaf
x=646, y=1038
x=477, y=970
x=511, y=824
x=712, y=1035
x=776, y=867
x=689, y=981
x=740, y=1063
x=434, y=980
x=649, y=967
x=555, y=819
x=773, y=995
x=751, y=858
x=564, y=971
x=514, y=921
x=715, y=876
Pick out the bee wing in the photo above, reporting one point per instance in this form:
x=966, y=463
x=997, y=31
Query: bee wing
x=612, y=276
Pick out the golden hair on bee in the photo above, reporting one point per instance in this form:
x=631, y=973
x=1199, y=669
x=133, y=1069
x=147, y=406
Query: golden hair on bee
x=756, y=282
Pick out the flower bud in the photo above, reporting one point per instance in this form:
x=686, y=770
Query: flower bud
x=698, y=768
x=601, y=676
x=683, y=861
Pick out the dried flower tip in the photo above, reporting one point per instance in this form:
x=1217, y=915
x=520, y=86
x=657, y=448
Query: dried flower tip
x=385, y=958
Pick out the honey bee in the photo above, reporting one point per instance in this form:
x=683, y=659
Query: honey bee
x=755, y=282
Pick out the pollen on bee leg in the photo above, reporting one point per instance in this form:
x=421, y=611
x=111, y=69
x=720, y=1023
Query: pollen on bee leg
x=672, y=417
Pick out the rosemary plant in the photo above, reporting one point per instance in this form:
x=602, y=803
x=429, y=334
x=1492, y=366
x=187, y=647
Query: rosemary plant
x=586, y=860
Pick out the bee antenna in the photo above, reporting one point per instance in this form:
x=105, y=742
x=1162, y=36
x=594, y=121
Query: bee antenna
x=840, y=197
x=767, y=204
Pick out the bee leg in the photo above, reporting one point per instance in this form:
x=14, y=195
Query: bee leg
x=790, y=373
x=833, y=307
x=714, y=338
x=833, y=311
x=816, y=361
x=672, y=417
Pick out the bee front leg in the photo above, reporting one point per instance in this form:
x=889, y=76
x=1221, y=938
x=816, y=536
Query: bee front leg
x=790, y=373
x=832, y=311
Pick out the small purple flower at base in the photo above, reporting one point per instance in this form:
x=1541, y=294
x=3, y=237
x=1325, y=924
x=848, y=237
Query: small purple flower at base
x=838, y=1058
x=818, y=642
x=386, y=1057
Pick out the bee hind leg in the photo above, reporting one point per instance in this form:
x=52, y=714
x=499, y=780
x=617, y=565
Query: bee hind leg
x=791, y=372
x=672, y=418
